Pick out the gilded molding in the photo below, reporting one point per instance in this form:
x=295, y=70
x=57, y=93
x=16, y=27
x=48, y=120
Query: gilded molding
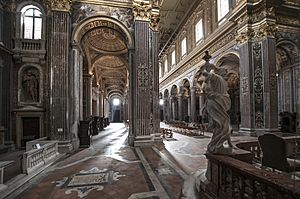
x=243, y=37
x=267, y=30
x=142, y=10
x=154, y=18
x=264, y=30
x=58, y=5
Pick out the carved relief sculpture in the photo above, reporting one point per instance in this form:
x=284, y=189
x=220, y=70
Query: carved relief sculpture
x=30, y=85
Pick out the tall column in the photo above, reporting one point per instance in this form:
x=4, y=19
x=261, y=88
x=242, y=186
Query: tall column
x=201, y=102
x=165, y=109
x=193, y=104
x=170, y=108
x=74, y=93
x=180, y=115
x=258, y=78
x=87, y=95
x=2, y=129
x=154, y=19
x=100, y=103
x=173, y=108
x=58, y=57
x=189, y=107
x=145, y=85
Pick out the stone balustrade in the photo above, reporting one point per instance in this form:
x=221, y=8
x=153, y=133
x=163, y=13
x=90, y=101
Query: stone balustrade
x=36, y=158
x=232, y=178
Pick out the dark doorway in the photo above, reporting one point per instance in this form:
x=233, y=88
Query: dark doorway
x=116, y=116
x=31, y=129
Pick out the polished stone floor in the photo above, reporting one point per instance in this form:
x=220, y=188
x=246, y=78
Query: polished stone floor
x=110, y=169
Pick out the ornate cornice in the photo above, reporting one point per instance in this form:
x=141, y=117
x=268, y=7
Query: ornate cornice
x=257, y=33
x=58, y=5
x=142, y=10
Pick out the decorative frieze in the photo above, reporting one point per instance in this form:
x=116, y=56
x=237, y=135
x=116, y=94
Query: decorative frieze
x=257, y=33
x=258, y=85
x=58, y=5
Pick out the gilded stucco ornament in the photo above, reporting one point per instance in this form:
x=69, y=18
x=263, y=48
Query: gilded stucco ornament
x=264, y=30
x=267, y=30
x=58, y=5
x=154, y=18
x=244, y=36
x=142, y=10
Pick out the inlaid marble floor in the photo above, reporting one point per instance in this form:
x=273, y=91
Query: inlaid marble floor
x=110, y=169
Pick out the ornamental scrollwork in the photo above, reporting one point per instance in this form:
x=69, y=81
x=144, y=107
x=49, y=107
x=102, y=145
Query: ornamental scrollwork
x=142, y=10
x=251, y=34
x=58, y=5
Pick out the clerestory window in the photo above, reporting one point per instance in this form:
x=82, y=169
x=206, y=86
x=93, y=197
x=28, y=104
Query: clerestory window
x=223, y=8
x=199, y=30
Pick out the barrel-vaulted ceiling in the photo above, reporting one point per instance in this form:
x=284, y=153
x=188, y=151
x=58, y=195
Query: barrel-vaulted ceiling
x=106, y=49
x=106, y=52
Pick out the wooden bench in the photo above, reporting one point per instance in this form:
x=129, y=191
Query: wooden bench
x=4, y=164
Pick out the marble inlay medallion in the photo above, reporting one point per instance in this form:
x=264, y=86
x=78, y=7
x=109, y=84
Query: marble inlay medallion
x=86, y=181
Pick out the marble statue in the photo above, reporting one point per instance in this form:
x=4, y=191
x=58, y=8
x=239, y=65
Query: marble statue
x=31, y=85
x=216, y=105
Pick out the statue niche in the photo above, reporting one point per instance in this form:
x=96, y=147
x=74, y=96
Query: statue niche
x=30, y=84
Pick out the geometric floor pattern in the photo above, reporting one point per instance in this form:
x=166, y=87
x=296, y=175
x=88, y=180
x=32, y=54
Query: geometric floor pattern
x=86, y=181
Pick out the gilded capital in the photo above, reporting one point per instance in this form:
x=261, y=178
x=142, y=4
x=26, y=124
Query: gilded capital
x=267, y=30
x=58, y=5
x=154, y=18
x=245, y=36
x=142, y=10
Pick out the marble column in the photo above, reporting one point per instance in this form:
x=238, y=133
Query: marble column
x=155, y=68
x=201, y=102
x=2, y=129
x=259, y=112
x=189, y=107
x=101, y=103
x=58, y=62
x=165, y=109
x=87, y=95
x=74, y=93
x=173, y=114
x=180, y=108
x=193, y=104
x=145, y=85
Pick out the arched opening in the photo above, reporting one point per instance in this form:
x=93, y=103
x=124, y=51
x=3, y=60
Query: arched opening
x=174, y=103
x=288, y=72
x=116, y=109
x=186, y=101
x=166, y=105
x=105, y=46
x=230, y=62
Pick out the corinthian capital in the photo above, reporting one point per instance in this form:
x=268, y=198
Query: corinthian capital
x=58, y=5
x=142, y=10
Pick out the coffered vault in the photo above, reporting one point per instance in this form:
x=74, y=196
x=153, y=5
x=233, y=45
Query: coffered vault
x=106, y=54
